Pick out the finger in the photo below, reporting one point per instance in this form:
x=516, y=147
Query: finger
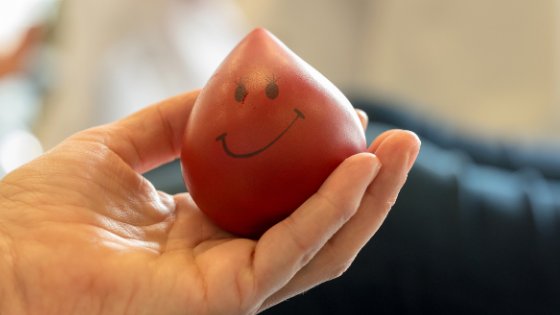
x=405, y=137
x=396, y=150
x=389, y=133
x=148, y=138
x=363, y=118
x=288, y=246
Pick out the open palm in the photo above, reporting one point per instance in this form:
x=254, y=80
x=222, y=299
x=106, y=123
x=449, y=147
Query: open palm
x=82, y=232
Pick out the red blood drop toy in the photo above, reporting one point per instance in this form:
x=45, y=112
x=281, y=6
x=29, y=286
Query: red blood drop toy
x=263, y=135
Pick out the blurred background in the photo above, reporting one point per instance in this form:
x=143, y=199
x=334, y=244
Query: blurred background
x=476, y=227
x=482, y=68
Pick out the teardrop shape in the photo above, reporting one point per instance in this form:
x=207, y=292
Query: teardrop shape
x=248, y=167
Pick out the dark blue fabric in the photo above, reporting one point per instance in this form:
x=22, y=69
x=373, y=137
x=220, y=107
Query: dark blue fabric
x=544, y=157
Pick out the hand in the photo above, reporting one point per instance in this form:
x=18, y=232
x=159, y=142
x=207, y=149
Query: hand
x=82, y=232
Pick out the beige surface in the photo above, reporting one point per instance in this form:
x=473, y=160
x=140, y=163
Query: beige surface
x=486, y=67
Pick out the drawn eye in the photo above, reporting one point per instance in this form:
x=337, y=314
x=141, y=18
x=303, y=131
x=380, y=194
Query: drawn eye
x=240, y=93
x=271, y=90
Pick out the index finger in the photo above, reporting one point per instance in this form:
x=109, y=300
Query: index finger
x=149, y=137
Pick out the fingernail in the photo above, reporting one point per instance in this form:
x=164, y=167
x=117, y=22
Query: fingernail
x=412, y=153
x=375, y=163
x=364, y=119
x=376, y=166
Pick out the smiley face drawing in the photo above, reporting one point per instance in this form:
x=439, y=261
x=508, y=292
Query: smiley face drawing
x=263, y=135
x=271, y=91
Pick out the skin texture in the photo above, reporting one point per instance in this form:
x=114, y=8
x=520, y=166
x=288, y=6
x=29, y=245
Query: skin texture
x=82, y=232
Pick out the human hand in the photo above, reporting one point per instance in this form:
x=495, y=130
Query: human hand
x=82, y=232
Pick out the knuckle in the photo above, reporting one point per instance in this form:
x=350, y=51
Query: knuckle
x=339, y=269
x=344, y=211
x=300, y=243
x=339, y=264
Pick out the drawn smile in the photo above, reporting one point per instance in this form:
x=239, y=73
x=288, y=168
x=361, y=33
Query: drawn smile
x=227, y=150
